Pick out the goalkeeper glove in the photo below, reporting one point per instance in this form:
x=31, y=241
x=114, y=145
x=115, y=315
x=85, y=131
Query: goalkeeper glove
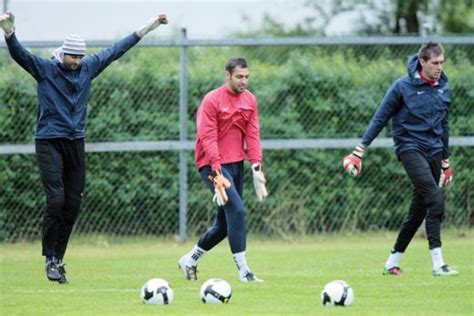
x=446, y=176
x=152, y=24
x=353, y=162
x=220, y=184
x=259, y=182
x=6, y=22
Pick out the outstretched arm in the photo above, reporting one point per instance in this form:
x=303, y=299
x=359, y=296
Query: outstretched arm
x=34, y=65
x=98, y=62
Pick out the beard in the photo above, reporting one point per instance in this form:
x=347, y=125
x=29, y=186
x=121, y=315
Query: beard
x=70, y=66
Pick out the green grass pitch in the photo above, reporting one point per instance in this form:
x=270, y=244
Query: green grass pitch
x=106, y=278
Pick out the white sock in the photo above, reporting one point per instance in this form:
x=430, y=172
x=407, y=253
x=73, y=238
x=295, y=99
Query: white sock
x=194, y=255
x=393, y=259
x=437, y=257
x=240, y=260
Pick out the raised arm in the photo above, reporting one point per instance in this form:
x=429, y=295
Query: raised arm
x=104, y=58
x=31, y=63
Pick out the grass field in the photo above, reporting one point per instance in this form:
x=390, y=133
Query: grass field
x=106, y=278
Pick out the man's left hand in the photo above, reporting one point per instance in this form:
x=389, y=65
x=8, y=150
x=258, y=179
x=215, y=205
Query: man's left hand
x=152, y=24
x=447, y=173
x=259, y=182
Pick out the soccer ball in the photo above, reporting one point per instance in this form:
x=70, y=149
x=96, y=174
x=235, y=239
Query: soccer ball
x=157, y=292
x=337, y=293
x=216, y=291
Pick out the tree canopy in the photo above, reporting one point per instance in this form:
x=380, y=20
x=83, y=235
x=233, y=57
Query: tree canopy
x=378, y=17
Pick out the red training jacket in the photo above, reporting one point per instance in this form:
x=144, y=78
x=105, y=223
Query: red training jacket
x=227, y=129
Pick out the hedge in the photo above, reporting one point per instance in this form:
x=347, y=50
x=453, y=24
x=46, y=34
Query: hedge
x=311, y=93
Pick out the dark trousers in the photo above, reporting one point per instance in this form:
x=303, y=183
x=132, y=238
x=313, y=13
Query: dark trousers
x=62, y=169
x=230, y=219
x=427, y=199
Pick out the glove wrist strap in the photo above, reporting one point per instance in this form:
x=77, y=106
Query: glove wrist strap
x=359, y=151
x=10, y=33
x=256, y=167
x=445, y=163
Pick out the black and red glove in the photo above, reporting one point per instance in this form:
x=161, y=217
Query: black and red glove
x=446, y=176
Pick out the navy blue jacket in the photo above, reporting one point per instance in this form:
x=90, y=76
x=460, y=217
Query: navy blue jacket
x=63, y=94
x=418, y=111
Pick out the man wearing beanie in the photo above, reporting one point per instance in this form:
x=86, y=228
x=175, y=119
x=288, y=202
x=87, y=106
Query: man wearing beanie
x=64, y=85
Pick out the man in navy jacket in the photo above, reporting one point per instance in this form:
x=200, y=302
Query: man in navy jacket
x=64, y=85
x=418, y=105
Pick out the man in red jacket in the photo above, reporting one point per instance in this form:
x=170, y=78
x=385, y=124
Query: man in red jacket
x=227, y=133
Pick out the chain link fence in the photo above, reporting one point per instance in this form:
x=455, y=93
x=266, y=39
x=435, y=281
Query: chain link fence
x=316, y=98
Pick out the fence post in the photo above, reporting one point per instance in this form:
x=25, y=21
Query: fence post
x=183, y=137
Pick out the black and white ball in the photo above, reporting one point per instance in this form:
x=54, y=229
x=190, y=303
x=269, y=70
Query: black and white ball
x=337, y=293
x=157, y=292
x=216, y=291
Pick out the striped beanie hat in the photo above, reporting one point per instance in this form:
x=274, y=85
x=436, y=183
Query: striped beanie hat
x=74, y=45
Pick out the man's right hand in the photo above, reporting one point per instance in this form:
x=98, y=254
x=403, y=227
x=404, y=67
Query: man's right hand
x=353, y=162
x=7, y=23
x=152, y=24
x=220, y=184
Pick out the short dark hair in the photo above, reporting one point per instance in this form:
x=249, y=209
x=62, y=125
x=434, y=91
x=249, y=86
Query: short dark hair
x=234, y=62
x=429, y=49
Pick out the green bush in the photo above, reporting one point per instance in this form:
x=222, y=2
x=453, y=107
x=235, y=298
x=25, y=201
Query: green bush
x=310, y=93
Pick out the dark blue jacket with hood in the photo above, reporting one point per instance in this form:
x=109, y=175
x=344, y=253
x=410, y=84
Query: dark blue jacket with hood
x=419, y=114
x=63, y=94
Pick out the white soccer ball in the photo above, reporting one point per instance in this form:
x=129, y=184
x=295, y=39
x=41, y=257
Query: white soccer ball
x=337, y=293
x=216, y=291
x=157, y=292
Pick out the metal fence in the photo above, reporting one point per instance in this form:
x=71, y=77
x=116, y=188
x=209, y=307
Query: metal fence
x=316, y=97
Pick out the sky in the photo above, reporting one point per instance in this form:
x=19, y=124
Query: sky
x=38, y=20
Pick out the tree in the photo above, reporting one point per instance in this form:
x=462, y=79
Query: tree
x=457, y=16
x=408, y=12
x=379, y=17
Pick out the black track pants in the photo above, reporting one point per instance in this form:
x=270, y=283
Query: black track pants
x=427, y=199
x=61, y=163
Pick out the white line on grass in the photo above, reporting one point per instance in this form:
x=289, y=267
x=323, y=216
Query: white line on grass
x=64, y=290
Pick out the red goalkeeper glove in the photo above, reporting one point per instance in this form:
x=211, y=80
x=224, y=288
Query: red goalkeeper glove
x=353, y=162
x=446, y=176
x=220, y=184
